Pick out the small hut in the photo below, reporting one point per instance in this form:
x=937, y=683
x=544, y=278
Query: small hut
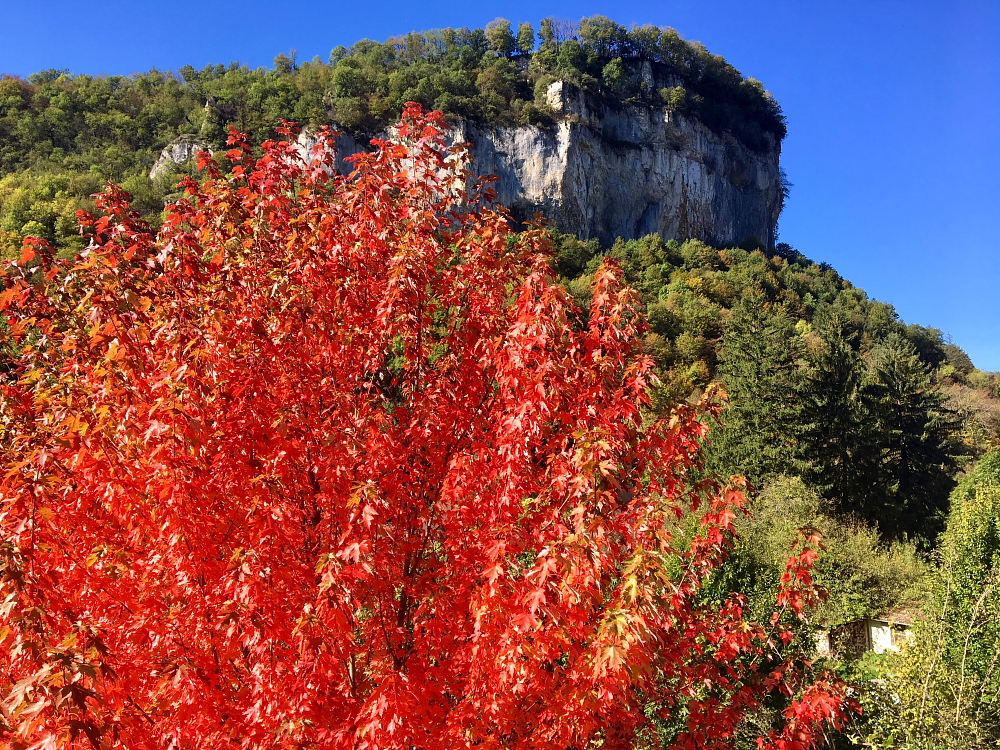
x=850, y=640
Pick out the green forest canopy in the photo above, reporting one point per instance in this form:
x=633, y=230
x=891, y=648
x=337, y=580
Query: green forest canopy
x=825, y=384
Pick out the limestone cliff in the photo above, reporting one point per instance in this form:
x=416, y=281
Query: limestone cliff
x=179, y=151
x=626, y=171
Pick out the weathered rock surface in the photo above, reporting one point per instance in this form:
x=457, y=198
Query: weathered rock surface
x=607, y=173
x=181, y=150
x=623, y=172
x=347, y=145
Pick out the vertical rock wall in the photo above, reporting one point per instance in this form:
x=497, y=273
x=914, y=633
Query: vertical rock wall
x=631, y=171
x=609, y=172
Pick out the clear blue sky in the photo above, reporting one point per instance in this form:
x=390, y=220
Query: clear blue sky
x=893, y=110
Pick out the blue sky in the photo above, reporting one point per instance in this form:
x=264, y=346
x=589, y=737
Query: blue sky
x=893, y=111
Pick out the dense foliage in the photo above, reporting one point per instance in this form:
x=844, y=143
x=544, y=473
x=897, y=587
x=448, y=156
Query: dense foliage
x=862, y=575
x=944, y=691
x=62, y=135
x=824, y=383
x=336, y=462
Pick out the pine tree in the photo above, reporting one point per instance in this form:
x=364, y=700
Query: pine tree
x=914, y=454
x=525, y=39
x=760, y=433
x=838, y=438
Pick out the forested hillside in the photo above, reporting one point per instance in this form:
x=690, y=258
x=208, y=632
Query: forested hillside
x=825, y=384
x=848, y=420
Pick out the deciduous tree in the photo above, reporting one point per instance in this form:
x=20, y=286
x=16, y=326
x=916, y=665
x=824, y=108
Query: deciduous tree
x=945, y=690
x=500, y=37
x=332, y=462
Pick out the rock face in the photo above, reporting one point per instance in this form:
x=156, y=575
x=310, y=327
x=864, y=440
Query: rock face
x=346, y=146
x=624, y=172
x=179, y=151
x=607, y=173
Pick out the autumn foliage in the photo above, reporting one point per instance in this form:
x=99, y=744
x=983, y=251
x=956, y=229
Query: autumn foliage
x=331, y=461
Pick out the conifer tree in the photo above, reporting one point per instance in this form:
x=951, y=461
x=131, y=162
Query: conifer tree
x=525, y=39
x=915, y=461
x=838, y=437
x=547, y=32
x=760, y=433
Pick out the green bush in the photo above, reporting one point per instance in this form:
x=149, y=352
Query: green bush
x=946, y=685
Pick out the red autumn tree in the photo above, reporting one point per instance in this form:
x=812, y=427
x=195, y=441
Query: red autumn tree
x=332, y=462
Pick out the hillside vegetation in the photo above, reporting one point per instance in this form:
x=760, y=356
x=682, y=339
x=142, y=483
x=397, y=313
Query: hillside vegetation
x=825, y=384
x=882, y=435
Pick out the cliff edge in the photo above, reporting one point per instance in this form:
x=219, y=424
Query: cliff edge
x=629, y=171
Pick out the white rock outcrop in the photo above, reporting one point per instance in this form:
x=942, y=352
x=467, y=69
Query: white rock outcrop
x=626, y=172
x=179, y=151
x=346, y=145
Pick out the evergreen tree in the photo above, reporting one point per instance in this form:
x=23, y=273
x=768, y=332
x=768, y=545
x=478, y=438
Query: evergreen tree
x=914, y=454
x=572, y=60
x=760, y=433
x=525, y=39
x=547, y=32
x=838, y=437
x=615, y=77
